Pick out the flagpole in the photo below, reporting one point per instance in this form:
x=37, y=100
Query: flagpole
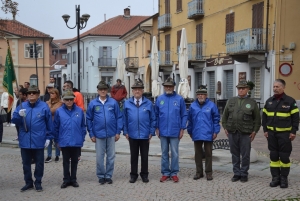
x=24, y=121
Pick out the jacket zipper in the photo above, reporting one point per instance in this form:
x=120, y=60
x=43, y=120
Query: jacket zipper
x=30, y=125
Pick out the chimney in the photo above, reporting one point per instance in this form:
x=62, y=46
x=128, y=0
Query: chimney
x=104, y=17
x=14, y=14
x=127, y=12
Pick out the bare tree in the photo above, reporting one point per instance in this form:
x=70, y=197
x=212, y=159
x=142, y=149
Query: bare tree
x=8, y=6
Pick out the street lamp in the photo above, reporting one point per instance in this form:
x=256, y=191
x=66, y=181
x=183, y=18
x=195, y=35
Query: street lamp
x=81, y=23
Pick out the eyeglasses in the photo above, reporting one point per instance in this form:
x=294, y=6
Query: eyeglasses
x=67, y=100
x=30, y=93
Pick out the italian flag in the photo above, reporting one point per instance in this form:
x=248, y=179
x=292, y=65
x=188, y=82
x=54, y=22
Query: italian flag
x=9, y=78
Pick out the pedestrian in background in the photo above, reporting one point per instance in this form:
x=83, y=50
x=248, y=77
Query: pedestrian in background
x=119, y=92
x=4, y=105
x=241, y=121
x=280, y=122
x=34, y=137
x=22, y=98
x=203, y=127
x=70, y=131
x=139, y=127
x=54, y=103
x=104, y=124
x=171, y=118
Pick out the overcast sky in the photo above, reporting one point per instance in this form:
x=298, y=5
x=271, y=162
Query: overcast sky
x=45, y=15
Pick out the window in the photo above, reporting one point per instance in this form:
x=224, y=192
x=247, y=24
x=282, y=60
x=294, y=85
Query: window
x=29, y=51
x=64, y=56
x=256, y=81
x=74, y=57
x=229, y=27
x=179, y=5
x=87, y=54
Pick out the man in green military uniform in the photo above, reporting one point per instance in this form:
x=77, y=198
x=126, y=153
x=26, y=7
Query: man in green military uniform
x=241, y=121
x=280, y=123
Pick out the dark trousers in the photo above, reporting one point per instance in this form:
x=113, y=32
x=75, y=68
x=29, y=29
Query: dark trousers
x=199, y=154
x=38, y=156
x=240, y=145
x=8, y=117
x=67, y=153
x=280, y=147
x=136, y=146
x=1, y=130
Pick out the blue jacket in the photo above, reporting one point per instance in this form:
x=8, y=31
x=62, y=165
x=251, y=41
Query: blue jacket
x=39, y=125
x=203, y=121
x=69, y=126
x=104, y=120
x=171, y=114
x=139, y=122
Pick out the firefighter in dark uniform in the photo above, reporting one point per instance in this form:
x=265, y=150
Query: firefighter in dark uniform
x=280, y=123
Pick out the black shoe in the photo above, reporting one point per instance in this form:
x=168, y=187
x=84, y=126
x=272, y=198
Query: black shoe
x=38, y=187
x=283, y=182
x=132, y=179
x=244, y=179
x=56, y=159
x=275, y=181
x=75, y=184
x=235, y=178
x=65, y=185
x=27, y=187
x=145, y=179
x=109, y=180
x=48, y=159
x=198, y=176
x=102, y=181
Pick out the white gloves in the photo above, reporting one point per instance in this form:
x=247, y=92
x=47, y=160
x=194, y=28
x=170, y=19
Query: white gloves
x=22, y=112
x=47, y=143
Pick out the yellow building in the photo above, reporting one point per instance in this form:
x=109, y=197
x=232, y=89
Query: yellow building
x=228, y=41
x=21, y=39
x=138, y=49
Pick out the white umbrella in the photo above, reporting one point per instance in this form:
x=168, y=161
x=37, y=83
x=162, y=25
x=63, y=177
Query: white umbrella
x=120, y=64
x=154, y=69
x=184, y=87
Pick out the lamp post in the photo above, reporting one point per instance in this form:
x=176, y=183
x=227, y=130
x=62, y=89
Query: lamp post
x=36, y=53
x=81, y=23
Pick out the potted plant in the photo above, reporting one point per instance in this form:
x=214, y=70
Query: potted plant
x=251, y=86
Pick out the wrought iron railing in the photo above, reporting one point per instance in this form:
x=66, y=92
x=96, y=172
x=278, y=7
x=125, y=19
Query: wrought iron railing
x=195, y=8
x=107, y=62
x=131, y=62
x=253, y=39
x=165, y=57
x=164, y=21
x=196, y=51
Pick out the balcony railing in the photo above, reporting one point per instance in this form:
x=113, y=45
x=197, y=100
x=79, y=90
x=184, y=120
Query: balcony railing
x=195, y=9
x=131, y=64
x=107, y=62
x=165, y=58
x=248, y=40
x=164, y=21
x=196, y=51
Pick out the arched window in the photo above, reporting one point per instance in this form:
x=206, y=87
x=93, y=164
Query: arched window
x=33, y=80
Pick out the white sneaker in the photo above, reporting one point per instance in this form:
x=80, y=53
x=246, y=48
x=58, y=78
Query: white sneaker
x=12, y=125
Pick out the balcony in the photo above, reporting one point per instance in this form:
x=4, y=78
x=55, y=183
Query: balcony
x=195, y=9
x=107, y=64
x=164, y=22
x=196, y=51
x=246, y=41
x=131, y=64
x=165, y=60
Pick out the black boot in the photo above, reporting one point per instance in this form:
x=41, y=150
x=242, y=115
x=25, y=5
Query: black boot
x=283, y=182
x=275, y=181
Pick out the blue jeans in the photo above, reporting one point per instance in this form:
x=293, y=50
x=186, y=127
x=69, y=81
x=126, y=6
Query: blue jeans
x=38, y=156
x=173, y=142
x=105, y=146
x=49, y=149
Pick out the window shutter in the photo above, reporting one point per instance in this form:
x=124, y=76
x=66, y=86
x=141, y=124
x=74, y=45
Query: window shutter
x=254, y=15
x=178, y=38
x=109, y=56
x=68, y=58
x=26, y=50
x=101, y=52
x=167, y=6
x=199, y=31
x=179, y=5
x=260, y=15
x=41, y=51
x=87, y=54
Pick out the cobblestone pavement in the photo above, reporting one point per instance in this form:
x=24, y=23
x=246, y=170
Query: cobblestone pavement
x=221, y=188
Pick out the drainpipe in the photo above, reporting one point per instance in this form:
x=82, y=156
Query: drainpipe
x=70, y=59
x=267, y=33
x=82, y=59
